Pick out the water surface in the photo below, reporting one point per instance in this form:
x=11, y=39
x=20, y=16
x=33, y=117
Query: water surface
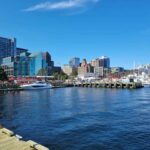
x=80, y=118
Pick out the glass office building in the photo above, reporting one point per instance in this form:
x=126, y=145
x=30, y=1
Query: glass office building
x=104, y=62
x=17, y=66
x=74, y=62
x=39, y=61
x=20, y=50
x=19, y=62
x=7, y=47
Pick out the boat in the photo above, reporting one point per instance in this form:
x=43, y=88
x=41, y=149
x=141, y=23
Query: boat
x=36, y=85
x=142, y=78
x=146, y=84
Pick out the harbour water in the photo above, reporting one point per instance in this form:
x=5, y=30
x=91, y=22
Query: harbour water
x=80, y=118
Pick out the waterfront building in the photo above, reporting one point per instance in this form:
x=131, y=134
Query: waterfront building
x=7, y=47
x=19, y=62
x=26, y=64
x=117, y=69
x=84, y=63
x=17, y=65
x=99, y=71
x=88, y=77
x=82, y=70
x=41, y=64
x=85, y=68
x=143, y=68
x=101, y=62
x=104, y=62
x=74, y=62
x=21, y=50
x=8, y=65
x=67, y=69
x=95, y=63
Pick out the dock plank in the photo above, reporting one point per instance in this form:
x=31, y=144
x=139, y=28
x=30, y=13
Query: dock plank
x=9, y=141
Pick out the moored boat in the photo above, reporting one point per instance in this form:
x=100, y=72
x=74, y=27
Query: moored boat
x=37, y=85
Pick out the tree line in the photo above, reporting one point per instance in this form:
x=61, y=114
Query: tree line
x=3, y=75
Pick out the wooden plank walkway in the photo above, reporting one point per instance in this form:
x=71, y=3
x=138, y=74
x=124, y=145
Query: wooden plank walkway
x=10, y=141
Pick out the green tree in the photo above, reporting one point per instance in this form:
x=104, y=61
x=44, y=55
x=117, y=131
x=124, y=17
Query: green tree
x=42, y=72
x=3, y=75
x=60, y=75
x=74, y=73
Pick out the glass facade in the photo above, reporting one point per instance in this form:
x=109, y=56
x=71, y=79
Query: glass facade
x=21, y=50
x=39, y=61
x=104, y=62
x=74, y=62
x=8, y=65
x=16, y=66
x=7, y=47
x=19, y=62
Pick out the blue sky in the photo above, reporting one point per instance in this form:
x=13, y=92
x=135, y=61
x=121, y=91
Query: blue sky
x=88, y=29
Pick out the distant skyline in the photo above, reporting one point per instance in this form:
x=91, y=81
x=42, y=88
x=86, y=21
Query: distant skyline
x=119, y=29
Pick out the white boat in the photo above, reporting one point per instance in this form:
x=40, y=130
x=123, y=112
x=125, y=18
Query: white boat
x=37, y=85
x=146, y=84
x=142, y=78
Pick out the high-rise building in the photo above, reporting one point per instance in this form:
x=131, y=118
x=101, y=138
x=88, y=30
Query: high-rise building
x=74, y=62
x=19, y=62
x=84, y=63
x=16, y=66
x=7, y=47
x=21, y=50
x=101, y=62
x=104, y=62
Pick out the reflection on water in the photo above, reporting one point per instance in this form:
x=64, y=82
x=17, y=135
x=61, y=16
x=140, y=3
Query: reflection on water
x=80, y=118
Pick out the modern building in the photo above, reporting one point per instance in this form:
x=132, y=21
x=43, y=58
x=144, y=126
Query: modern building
x=41, y=64
x=19, y=62
x=101, y=62
x=21, y=50
x=104, y=62
x=8, y=65
x=17, y=65
x=7, y=47
x=74, y=62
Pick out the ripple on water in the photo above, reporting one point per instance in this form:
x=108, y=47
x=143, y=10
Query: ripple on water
x=80, y=118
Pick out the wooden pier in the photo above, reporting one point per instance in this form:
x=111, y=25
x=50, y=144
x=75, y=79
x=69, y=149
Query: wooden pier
x=10, y=141
x=116, y=85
